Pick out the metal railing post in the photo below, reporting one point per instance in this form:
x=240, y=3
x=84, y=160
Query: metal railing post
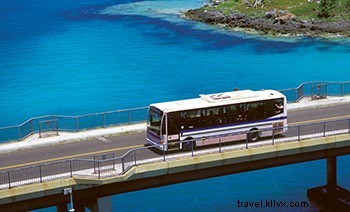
x=71, y=168
x=135, y=157
x=76, y=124
x=31, y=126
x=19, y=132
x=9, y=178
x=98, y=170
x=324, y=129
x=95, y=163
x=219, y=144
x=348, y=125
x=123, y=166
x=299, y=133
x=164, y=152
x=40, y=171
x=113, y=161
x=192, y=147
x=273, y=136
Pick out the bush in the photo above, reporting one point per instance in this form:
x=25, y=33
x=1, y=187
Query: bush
x=326, y=8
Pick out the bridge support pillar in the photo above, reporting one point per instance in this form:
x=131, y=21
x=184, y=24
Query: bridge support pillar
x=332, y=175
x=98, y=205
x=79, y=206
x=101, y=205
x=330, y=196
x=61, y=207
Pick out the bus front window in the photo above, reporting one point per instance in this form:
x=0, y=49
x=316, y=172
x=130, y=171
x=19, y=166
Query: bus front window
x=154, y=121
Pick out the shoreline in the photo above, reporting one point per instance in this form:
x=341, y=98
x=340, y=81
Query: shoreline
x=275, y=25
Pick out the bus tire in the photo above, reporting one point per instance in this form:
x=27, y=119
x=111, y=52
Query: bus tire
x=253, y=135
x=187, y=145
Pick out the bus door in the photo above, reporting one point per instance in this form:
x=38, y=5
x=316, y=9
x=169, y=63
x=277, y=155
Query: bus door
x=173, y=126
x=155, y=126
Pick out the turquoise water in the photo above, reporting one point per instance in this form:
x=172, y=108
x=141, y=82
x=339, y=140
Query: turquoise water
x=75, y=57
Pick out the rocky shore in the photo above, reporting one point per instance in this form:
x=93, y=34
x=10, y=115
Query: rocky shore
x=273, y=23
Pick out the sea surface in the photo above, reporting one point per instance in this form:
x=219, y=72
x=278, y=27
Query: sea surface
x=73, y=57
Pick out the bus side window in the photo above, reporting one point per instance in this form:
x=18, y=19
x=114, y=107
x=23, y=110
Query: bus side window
x=270, y=108
x=201, y=118
x=255, y=111
x=173, y=123
x=215, y=115
x=233, y=113
x=274, y=107
x=222, y=115
x=261, y=110
x=210, y=117
x=183, y=123
x=241, y=113
x=278, y=106
x=250, y=111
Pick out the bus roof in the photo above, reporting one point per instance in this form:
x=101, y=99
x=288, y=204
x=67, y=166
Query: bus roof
x=212, y=100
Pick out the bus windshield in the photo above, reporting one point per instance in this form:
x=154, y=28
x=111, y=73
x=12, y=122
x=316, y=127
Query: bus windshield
x=154, y=120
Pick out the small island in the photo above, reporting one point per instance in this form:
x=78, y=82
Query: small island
x=315, y=18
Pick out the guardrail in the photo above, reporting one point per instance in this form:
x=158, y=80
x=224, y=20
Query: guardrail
x=107, y=165
x=73, y=123
x=315, y=90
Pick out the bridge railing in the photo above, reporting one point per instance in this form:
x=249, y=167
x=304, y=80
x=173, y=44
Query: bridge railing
x=108, y=164
x=317, y=90
x=74, y=123
x=314, y=90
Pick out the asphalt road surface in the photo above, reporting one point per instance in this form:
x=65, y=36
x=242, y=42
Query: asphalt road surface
x=120, y=144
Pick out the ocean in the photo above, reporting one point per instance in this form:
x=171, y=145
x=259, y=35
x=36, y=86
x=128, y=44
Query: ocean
x=74, y=57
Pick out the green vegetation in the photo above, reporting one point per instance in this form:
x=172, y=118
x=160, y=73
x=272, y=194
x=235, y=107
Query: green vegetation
x=330, y=10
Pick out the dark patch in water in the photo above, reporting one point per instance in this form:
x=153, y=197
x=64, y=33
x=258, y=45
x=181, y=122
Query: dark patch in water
x=323, y=48
x=171, y=33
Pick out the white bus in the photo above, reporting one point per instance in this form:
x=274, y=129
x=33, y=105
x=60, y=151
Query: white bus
x=205, y=118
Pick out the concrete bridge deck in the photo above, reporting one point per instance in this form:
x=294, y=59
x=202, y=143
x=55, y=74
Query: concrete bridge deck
x=173, y=171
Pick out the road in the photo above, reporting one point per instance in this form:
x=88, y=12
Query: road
x=122, y=143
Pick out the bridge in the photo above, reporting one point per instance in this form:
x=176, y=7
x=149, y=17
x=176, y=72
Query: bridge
x=87, y=181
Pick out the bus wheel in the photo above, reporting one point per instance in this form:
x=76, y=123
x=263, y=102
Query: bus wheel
x=187, y=145
x=253, y=135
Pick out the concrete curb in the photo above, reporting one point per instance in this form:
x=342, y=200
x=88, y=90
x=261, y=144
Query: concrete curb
x=308, y=104
x=67, y=137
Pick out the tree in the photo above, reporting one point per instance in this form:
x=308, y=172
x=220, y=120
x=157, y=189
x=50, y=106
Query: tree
x=326, y=8
x=347, y=6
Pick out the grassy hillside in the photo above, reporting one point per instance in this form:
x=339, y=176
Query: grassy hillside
x=303, y=9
